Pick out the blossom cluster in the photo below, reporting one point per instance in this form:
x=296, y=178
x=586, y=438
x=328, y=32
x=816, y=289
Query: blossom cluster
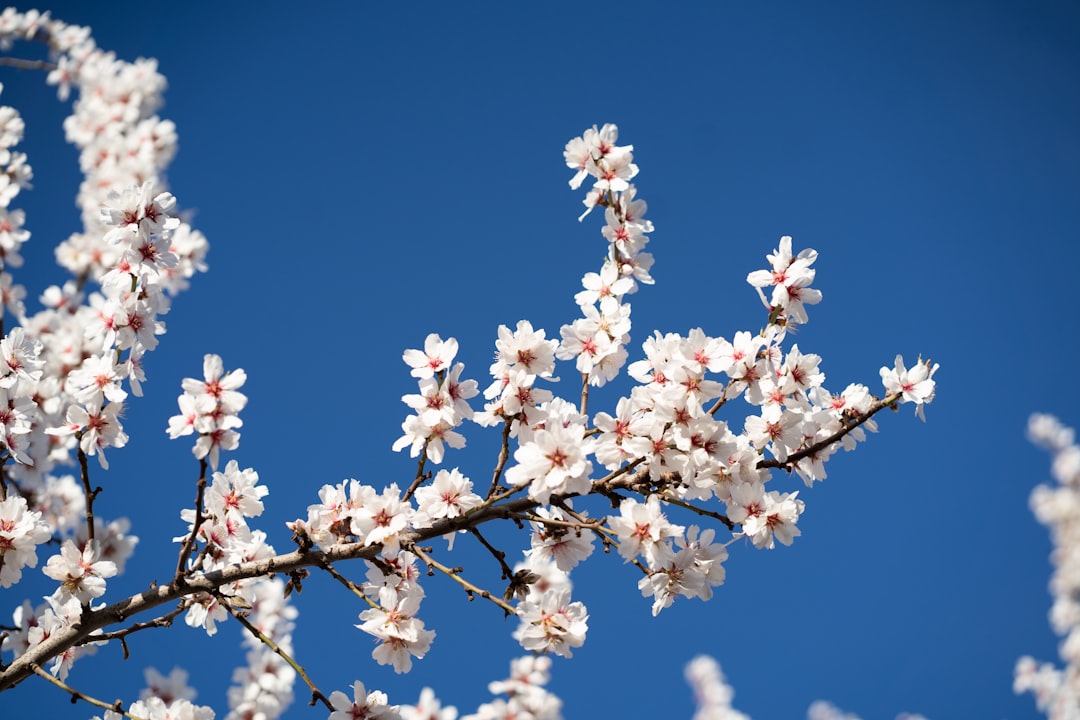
x=392, y=620
x=219, y=534
x=211, y=407
x=597, y=341
x=375, y=705
x=665, y=440
x=263, y=688
x=68, y=369
x=672, y=444
x=164, y=698
x=526, y=694
x=442, y=403
x=222, y=537
x=352, y=512
x=1057, y=691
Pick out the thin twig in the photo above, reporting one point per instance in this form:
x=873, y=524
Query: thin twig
x=560, y=525
x=722, y=400
x=454, y=574
x=84, y=474
x=700, y=511
x=165, y=620
x=795, y=457
x=607, y=536
x=499, y=555
x=189, y=543
x=353, y=587
x=116, y=707
x=22, y=64
x=420, y=476
x=504, y=455
x=584, y=392
x=316, y=694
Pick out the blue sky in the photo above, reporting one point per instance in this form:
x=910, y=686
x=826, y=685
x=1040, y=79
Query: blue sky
x=369, y=173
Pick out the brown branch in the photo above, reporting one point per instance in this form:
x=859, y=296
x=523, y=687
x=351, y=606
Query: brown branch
x=559, y=525
x=454, y=574
x=629, y=477
x=116, y=707
x=84, y=474
x=504, y=455
x=795, y=457
x=584, y=392
x=165, y=620
x=22, y=64
x=353, y=587
x=65, y=638
x=499, y=555
x=316, y=694
x=701, y=511
x=189, y=543
x=420, y=476
x=722, y=400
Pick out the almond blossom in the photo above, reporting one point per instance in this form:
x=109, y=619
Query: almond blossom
x=664, y=447
x=21, y=531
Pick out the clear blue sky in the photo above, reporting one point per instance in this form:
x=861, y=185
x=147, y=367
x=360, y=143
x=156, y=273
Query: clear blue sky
x=369, y=173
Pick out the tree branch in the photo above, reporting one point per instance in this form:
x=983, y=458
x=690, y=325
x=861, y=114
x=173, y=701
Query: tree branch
x=189, y=543
x=84, y=474
x=793, y=458
x=629, y=477
x=454, y=574
x=116, y=707
x=316, y=694
x=504, y=455
x=23, y=64
x=63, y=639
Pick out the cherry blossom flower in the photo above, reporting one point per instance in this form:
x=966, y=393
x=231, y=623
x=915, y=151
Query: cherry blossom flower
x=382, y=518
x=623, y=437
x=554, y=462
x=401, y=635
x=643, y=529
x=434, y=358
x=210, y=407
x=235, y=492
x=80, y=573
x=138, y=213
x=365, y=705
x=552, y=623
x=448, y=496
x=100, y=428
x=565, y=546
x=205, y=611
x=218, y=392
x=790, y=278
x=915, y=385
x=21, y=359
x=765, y=516
x=604, y=288
x=428, y=707
x=692, y=572
x=430, y=439
x=526, y=695
x=524, y=349
x=21, y=531
x=97, y=379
